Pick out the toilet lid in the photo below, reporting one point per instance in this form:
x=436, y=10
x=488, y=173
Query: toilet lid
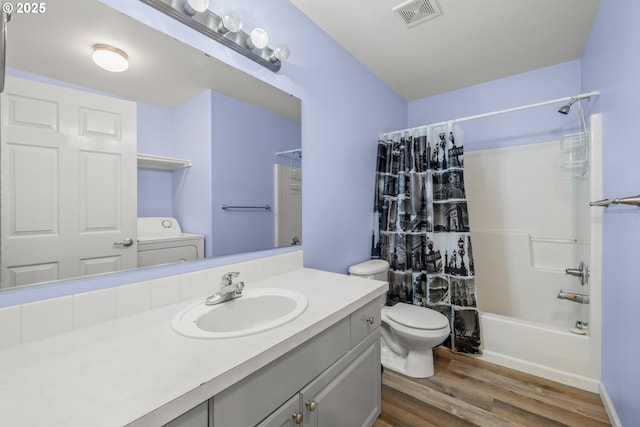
x=413, y=316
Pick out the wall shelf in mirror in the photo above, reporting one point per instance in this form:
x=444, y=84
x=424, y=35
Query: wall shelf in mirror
x=149, y=161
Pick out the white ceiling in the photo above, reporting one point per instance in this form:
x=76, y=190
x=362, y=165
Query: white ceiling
x=162, y=71
x=471, y=42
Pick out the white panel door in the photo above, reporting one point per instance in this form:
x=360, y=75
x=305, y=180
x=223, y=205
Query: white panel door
x=288, y=205
x=68, y=183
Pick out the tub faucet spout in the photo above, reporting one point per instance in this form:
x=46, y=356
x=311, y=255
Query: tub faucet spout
x=579, y=298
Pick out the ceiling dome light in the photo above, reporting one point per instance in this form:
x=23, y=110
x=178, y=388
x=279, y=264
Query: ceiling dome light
x=258, y=38
x=280, y=53
x=191, y=7
x=231, y=21
x=110, y=58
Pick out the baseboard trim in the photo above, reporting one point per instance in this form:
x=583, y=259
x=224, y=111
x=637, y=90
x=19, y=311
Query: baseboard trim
x=608, y=406
x=574, y=380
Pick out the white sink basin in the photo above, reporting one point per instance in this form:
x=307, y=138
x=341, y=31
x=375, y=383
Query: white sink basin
x=257, y=310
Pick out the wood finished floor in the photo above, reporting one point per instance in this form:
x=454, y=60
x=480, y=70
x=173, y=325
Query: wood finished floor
x=466, y=391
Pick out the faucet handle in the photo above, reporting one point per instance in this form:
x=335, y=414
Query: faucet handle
x=239, y=288
x=227, y=278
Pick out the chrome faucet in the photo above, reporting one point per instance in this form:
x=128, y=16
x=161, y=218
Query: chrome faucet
x=228, y=289
x=579, y=298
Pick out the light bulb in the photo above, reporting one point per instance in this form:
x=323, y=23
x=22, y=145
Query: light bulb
x=258, y=38
x=281, y=53
x=231, y=21
x=191, y=7
x=110, y=58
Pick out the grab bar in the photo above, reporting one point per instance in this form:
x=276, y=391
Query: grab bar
x=265, y=207
x=634, y=200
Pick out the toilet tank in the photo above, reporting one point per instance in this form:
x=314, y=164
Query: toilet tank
x=376, y=269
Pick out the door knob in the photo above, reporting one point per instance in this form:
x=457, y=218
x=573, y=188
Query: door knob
x=311, y=405
x=124, y=242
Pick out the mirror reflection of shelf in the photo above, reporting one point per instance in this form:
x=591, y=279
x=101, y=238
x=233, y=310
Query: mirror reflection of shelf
x=292, y=154
x=149, y=161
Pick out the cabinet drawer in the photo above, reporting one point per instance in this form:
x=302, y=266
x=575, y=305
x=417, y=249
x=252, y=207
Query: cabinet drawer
x=250, y=400
x=365, y=320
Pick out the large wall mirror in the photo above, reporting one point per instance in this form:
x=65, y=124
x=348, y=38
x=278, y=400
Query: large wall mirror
x=177, y=158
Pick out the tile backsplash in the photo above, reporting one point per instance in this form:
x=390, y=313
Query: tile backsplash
x=41, y=319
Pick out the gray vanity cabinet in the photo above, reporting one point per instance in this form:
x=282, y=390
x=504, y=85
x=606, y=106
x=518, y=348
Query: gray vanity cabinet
x=346, y=395
x=288, y=415
x=331, y=380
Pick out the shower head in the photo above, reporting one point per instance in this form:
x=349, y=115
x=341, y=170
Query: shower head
x=566, y=108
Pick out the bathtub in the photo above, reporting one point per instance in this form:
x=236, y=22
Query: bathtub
x=531, y=333
x=544, y=351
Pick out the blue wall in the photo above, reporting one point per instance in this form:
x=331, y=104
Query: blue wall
x=611, y=63
x=155, y=127
x=192, y=186
x=520, y=127
x=245, y=140
x=232, y=146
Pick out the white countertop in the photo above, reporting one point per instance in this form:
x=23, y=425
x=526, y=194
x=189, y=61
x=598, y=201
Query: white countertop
x=138, y=370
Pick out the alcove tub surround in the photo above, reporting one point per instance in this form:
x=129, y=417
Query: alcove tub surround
x=137, y=370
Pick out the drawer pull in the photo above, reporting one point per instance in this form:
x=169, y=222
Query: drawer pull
x=370, y=320
x=297, y=417
x=311, y=405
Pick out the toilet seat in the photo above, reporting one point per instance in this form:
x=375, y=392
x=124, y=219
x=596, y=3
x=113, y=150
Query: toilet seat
x=416, y=317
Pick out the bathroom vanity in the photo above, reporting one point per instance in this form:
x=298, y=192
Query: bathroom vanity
x=320, y=369
x=332, y=379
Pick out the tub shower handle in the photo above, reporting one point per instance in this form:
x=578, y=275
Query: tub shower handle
x=582, y=272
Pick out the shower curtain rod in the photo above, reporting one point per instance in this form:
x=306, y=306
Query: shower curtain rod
x=509, y=110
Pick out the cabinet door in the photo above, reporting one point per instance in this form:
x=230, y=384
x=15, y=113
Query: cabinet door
x=288, y=415
x=196, y=417
x=348, y=394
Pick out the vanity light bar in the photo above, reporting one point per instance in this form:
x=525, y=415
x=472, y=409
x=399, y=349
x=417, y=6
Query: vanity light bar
x=208, y=23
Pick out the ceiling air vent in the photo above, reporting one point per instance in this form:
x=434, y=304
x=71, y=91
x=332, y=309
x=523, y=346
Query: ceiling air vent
x=415, y=12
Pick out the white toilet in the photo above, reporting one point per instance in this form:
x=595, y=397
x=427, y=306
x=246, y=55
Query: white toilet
x=409, y=332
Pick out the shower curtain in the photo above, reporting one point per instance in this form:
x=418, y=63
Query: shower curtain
x=422, y=227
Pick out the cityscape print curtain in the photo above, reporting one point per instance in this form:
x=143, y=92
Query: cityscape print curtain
x=422, y=227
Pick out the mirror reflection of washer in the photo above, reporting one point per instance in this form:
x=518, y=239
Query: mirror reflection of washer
x=161, y=241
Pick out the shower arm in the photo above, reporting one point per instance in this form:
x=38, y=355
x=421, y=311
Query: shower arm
x=634, y=201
